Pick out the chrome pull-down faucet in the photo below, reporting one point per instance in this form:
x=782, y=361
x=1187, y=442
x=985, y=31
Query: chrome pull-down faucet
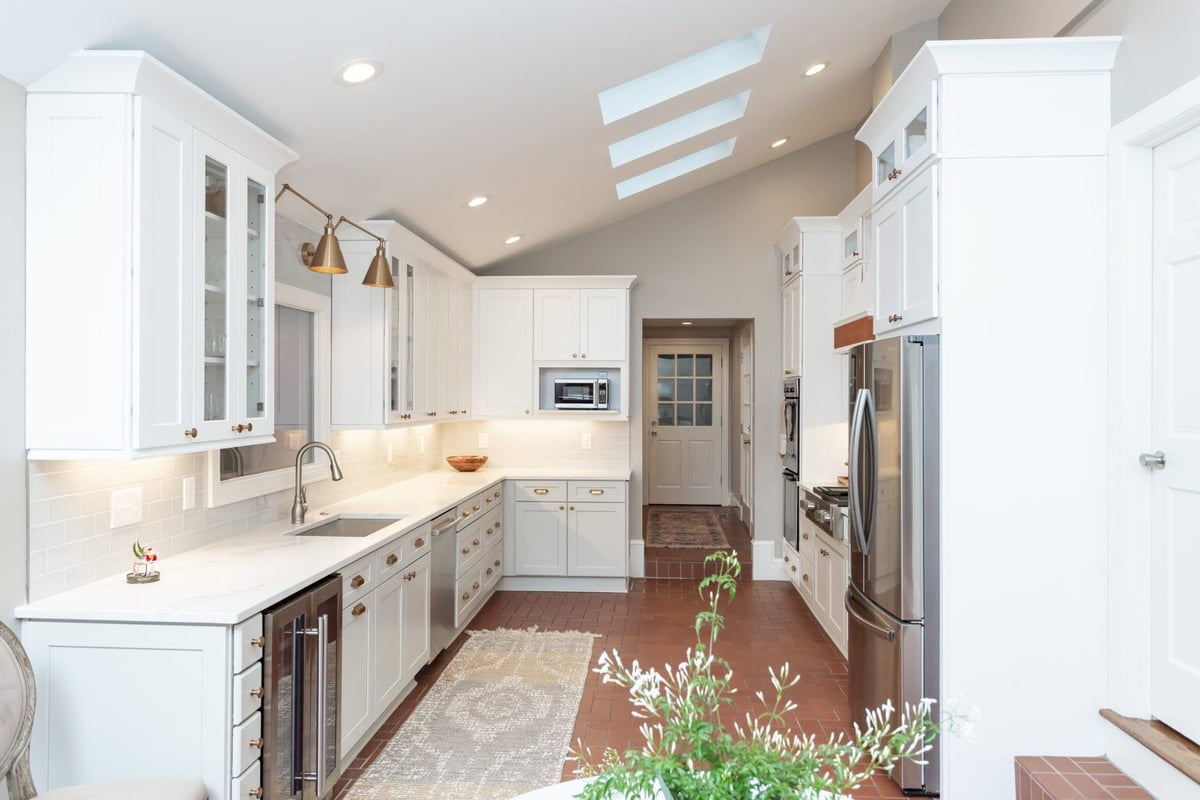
x=300, y=500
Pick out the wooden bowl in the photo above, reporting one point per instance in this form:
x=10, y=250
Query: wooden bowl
x=466, y=463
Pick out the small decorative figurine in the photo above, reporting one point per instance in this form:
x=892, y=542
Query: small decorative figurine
x=143, y=567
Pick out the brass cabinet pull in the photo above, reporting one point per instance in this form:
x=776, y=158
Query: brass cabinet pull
x=256, y=743
x=824, y=552
x=487, y=499
x=475, y=585
x=466, y=551
x=431, y=413
x=463, y=411
x=259, y=692
x=804, y=577
x=786, y=560
x=596, y=491
x=489, y=531
x=806, y=537
x=192, y=432
x=793, y=567
x=466, y=514
x=475, y=542
x=249, y=426
x=238, y=428
x=574, y=355
x=572, y=508
x=419, y=543
x=358, y=610
x=496, y=494
x=541, y=491
x=357, y=581
x=256, y=793
x=497, y=524
x=489, y=570
x=466, y=596
x=583, y=355
x=453, y=412
x=260, y=641
x=560, y=508
x=475, y=507
x=497, y=563
x=390, y=560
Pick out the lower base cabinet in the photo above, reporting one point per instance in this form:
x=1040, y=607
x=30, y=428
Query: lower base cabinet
x=819, y=573
x=355, y=711
x=414, y=617
x=561, y=536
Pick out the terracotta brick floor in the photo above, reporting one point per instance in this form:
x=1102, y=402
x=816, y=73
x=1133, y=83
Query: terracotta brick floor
x=767, y=624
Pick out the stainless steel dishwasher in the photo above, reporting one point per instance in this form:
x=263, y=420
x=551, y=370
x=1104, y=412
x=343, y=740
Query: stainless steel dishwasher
x=444, y=573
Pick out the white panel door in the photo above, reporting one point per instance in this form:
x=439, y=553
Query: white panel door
x=387, y=661
x=540, y=544
x=603, y=324
x=166, y=281
x=1175, y=430
x=504, y=353
x=596, y=541
x=414, y=625
x=355, y=712
x=556, y=324
x=686, y=405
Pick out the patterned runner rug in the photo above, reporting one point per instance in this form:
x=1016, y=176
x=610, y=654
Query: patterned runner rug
x=686, y=526
x=497, y=723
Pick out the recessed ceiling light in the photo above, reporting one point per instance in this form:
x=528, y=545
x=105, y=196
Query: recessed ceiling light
x=476, y=202
x=685, y=323
x=513, y=239
x=359, y=71
x=816, y=69
x=779, y=142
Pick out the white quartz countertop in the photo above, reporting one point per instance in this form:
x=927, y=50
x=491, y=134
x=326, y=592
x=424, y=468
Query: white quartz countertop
x=231, y=580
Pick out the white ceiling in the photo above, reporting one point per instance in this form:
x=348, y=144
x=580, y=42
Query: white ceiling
x=482, y=96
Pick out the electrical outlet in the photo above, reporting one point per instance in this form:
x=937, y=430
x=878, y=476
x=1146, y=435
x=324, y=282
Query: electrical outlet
x=585, y=441
x=389, y=453
x=483, y=441
x=189, y=493
x=125, y=507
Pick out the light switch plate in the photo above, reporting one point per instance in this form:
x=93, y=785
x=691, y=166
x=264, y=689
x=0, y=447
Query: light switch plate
x=483, y=441
x=189, y=493
x=585, y=441
x=125, y=507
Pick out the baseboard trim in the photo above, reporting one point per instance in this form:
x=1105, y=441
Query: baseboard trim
x=767, y=567
x=520, y=583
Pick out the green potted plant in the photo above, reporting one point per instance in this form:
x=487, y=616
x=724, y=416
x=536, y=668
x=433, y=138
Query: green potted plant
x=690, y=754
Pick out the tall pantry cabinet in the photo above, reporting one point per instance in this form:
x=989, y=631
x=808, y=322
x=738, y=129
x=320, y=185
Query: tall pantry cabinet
x=150, y=269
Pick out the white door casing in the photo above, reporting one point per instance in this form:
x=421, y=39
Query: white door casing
x=1175, y=431
x=746, y=421
x=688, y=448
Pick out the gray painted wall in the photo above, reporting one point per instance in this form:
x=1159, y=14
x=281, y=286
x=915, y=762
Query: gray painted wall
x=989, y=19
x=711, y=254
x=13, y=529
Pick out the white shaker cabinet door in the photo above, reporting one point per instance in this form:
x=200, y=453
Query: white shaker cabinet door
x=541, y=539
x=596, y=543
x=905, y=248
x=556, y=326
x=355, y=714
x=504, y=353
x=414, y=625
x=603, y=324
x=387, y=663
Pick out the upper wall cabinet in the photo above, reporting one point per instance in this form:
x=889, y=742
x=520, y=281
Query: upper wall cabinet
x=504, y=352
x=149, y=270
x=578, y=324
x=809, y=246
x=400, y=355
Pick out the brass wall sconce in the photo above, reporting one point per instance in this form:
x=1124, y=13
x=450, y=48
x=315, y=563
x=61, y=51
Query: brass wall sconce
x=326, y=257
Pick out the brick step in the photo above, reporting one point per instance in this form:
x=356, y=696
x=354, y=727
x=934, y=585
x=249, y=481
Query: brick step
x=1061, y=778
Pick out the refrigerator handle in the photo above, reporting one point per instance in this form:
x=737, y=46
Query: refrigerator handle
x=868, y=511
x=886, y=633
x=855, y=499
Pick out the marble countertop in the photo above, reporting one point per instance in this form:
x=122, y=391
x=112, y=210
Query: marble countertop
x=231, y=580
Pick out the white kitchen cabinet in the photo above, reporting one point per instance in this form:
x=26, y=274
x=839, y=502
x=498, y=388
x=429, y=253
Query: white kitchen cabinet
x=791, y=344
x=504, y=352
x=788, y=256
x=387, y=659
x=355, y=710
x=540, y=537
x=135, y=208
x=453, y=337
x=579, y=324
x=905, y=254
x=596, y=540
x=819, y=573
x=414, y=619
x=902, y=144
x=858, y=281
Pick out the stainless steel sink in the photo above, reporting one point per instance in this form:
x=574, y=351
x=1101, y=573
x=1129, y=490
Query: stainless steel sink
x=353, y=527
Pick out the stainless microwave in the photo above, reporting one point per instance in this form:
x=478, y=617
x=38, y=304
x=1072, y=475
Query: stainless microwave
x=587, y=395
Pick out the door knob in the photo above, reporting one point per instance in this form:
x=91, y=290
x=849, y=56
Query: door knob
x=1155, y=460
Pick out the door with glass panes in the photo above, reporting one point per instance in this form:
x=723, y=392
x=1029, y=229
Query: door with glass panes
x=687, y=447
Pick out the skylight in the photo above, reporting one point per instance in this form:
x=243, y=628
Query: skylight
x=683, y=76
x=679, y=129
x=675, y=169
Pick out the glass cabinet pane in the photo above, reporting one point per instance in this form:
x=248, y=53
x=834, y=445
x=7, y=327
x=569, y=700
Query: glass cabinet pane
x=916, y=133
x=850, y=245
x=216, y=288
x=395, y=340
x=256, y=292
x=885, y=163
x=410, y=317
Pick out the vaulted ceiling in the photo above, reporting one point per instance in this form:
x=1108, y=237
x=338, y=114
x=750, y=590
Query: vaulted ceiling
x=485, y=97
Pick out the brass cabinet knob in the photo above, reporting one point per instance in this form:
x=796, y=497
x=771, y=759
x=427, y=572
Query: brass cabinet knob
x=466, y=596
x=256, y=793
x=259, y=692
x=584, y=355
x=804, y=577
x=256, y=743
x=497, y=563
x=786, y=560
x=489, y=531
x=238, y=428
x=497, y=524
x=466, y=551
x=260, y=641
x=390, y=560
x=357, y=581
x=806, y=537
x=463, y=411
x=475, y=542
x=824, y=552
x=560, y=508
x=358, y=610
x=793, y=567
x=496, y=494
x=419, y=543
x=475, y=585
x=489, y=570
x=466, y=514
x=192, y=432
x=453, y=412
x=574, y=355
x=475, y=507
x=249, y=426
x=488, y=499
x=572, y=508
x=527, y=411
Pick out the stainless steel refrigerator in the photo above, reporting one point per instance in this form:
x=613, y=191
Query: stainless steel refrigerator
x=894, y=505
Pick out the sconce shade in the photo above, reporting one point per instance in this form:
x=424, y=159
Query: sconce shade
x=379, y=274
x=328, y=256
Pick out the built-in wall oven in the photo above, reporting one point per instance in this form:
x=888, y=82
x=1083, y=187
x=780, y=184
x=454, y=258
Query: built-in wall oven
x=300, y=706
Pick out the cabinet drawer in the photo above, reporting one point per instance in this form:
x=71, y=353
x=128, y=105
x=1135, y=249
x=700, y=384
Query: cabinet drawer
x=471, y=508
x=247, y=743
x=791, y=565
x=247, y=693
x=248, y=643
x=493, y=498
x=357, y=579
x=806, y=580
x=467, y=589
x=418, y=542
x=248, y=784
x=473, y=539
x=596, y=491
x=808, y=538
x=540, y=490
x=492, y=565
x=389, y=559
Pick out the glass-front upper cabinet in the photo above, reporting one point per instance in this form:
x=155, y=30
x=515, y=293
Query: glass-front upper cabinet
x=399, y=397
x=236, y=306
